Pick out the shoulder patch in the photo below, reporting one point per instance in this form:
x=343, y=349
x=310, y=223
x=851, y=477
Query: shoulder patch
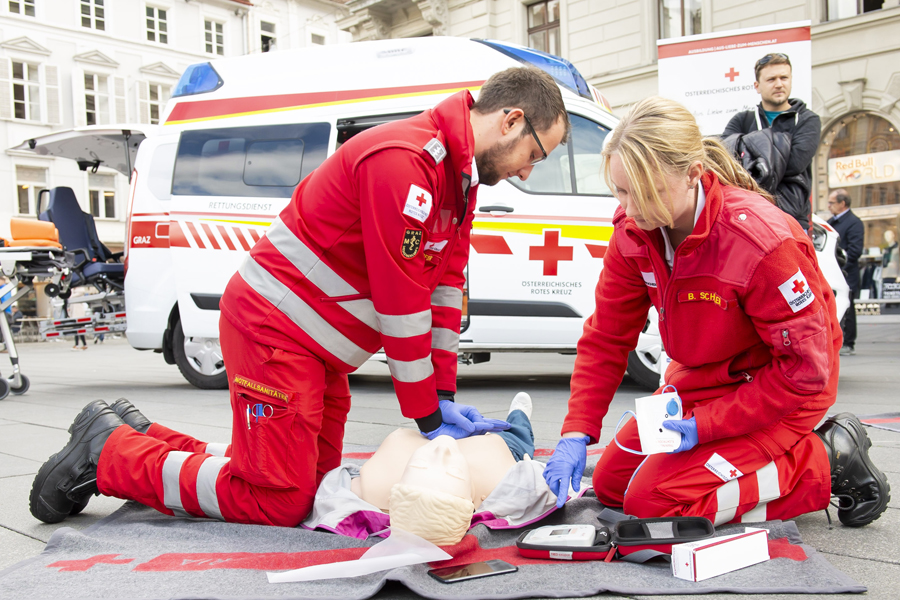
x=418, y=203
x=796, y=291
x=412, y=239
x=436, y=150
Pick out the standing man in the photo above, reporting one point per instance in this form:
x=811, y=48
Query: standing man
x=852, y=233
x=784, y=114
x=369, y=254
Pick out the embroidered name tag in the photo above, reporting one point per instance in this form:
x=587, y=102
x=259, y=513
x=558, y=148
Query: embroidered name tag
x=261, y=388
x=713, y=297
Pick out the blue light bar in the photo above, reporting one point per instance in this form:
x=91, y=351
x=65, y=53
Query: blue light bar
x=198, y=79
x=560, y=69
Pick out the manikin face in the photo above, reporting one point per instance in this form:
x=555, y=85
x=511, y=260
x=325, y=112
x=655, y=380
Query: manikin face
x=440, y=466
x=674, y=191
x=774, y=86
x=512, y=155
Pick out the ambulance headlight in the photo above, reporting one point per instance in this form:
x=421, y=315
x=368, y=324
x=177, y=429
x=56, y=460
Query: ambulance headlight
x=198, y=79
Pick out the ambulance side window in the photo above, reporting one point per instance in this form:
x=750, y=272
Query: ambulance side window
x=265, y=161
x=573, y=168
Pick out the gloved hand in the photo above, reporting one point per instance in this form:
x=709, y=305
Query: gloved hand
x=688, y=430
x=461, y=420
x=566, y=464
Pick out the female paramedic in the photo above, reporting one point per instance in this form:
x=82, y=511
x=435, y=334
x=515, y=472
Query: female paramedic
x=749, y=322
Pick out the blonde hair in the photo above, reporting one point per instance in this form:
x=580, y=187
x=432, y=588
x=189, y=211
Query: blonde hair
x=439, y=517
x=659, y=136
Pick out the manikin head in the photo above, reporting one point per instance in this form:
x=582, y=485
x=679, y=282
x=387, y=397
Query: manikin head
x=773, y=81
x=518, y=120
x=434, y=498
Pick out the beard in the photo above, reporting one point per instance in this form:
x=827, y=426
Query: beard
x=489, y=162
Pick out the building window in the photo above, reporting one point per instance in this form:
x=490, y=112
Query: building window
x=316, y=39
x=29, y=183
x=26, y=91
x=679, y=17
x=215, y=38
x=93, y=15
x=267, y=36
x=22, y=7
x=543, y=26
x=159, y=95
x=96, y=99
x=841, y=9
x=102, y=192
x=157, y=26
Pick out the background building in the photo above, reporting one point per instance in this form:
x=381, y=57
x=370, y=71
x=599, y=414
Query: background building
x=70, y=63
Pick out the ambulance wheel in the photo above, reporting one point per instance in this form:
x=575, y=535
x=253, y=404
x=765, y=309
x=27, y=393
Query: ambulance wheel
x=200, y=360
x=4, y=388
x=643, y=362
x=26, y=383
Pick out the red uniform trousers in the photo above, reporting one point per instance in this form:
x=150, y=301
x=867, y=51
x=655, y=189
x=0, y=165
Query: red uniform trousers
x=279, y=454
x=777, y=473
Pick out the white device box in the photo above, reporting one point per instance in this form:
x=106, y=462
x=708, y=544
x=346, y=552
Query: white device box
x=651, y=411
x=562, y=535
x=696, y=561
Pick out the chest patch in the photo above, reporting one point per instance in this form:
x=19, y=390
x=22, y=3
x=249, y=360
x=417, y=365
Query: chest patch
x=713, y=297
x=721, y=468
x=418, y=203
x=412, y=239
x=796, y=291
x=649, y=279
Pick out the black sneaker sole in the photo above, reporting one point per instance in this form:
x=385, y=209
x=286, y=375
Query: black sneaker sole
x=856, y=429
x=39, y=508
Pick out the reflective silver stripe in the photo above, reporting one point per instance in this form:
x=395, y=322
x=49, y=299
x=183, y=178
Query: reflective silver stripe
x=768, y=488
x=216, y=449
x=405, y=326
x=206, y=486
x=445, y=295
x=298, y=311
x=444, y=339
x=362, y=309
x=728, y=497
x=410, y=371
x=171, y=473
x=306, y=261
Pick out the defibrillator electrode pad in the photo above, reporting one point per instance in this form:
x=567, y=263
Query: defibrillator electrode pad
x=651, y=412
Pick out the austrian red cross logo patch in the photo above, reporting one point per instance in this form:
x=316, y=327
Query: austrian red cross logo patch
x=796, y=291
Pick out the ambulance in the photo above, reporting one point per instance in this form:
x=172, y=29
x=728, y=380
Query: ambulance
x=240, y=133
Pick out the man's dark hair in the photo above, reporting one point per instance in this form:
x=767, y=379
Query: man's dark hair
x=841, y=195
x=528, y=88
x=775, y=58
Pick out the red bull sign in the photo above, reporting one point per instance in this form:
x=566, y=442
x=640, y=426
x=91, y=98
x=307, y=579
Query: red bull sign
x=864, y=169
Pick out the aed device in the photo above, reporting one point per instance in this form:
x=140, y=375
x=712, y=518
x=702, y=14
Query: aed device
x=568, y=542
x=472, y=571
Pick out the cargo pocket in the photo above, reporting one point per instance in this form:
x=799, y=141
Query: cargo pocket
x=262, y=433
x=805, y=345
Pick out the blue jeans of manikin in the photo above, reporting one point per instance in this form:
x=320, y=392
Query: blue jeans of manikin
x=520, y=437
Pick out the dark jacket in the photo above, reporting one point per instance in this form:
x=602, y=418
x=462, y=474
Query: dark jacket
x=852, y=232
x=763, y=153
x=792, y=193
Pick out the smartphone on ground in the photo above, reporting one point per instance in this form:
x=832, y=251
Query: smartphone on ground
x=472, y=571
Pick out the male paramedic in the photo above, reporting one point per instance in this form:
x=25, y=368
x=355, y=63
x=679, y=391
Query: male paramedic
x=369, y=254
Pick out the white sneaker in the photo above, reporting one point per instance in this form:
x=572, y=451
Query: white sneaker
x=522, y=402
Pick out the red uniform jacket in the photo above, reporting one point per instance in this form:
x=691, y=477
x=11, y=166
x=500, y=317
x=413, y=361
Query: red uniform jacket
x=745, y=314
x=369, y=254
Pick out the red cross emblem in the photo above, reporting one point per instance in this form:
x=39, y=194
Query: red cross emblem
x=732, y=74
x=733, y=473
x=551, y=252
x=421, y=199
x=799, y=286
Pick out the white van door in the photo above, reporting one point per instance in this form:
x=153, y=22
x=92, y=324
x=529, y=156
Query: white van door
x=538, y=247
x=92, y=146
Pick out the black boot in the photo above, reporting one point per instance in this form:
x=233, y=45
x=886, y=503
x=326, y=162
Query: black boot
x=131, y=415
x=69, y=477
x=861, y=488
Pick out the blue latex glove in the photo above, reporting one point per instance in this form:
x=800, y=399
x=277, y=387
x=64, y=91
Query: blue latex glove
x=461, y=421
x=566, y=465
x=688, y=430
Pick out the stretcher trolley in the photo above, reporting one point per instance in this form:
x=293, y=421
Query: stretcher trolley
x=31, y=252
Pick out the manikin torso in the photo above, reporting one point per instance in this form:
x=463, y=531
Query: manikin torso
x=469, y=468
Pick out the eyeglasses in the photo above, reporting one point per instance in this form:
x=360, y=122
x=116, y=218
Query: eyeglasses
x=534, y=134
x=768, y=58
